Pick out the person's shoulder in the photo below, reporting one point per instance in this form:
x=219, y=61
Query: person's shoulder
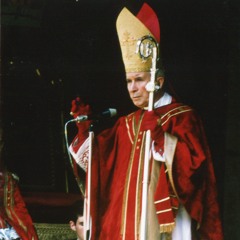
x=124, y=117
x=134, y=113
x=177, y=112
x=174, y=108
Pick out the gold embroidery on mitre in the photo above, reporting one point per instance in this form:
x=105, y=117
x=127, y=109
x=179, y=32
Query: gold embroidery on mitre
x=130, y=29
x=127, y=42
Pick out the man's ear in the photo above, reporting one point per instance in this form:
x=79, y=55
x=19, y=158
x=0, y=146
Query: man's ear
x=160, y=81
x=72, y=225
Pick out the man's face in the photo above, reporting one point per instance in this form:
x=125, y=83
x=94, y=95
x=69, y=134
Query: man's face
x=78, y=227
x=136, y=83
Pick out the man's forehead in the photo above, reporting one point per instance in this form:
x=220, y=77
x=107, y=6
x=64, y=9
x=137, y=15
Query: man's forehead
x=137, y=74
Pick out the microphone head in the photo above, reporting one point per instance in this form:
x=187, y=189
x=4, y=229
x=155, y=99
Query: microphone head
x=112, y=112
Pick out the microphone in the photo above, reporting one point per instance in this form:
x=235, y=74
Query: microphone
x=110, y=112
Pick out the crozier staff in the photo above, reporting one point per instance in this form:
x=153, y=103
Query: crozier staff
x=182, y=199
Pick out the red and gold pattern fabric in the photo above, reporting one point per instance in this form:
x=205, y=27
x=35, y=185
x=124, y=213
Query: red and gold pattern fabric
x=117, y=170
x=13, y=209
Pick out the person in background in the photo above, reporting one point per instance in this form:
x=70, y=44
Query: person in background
x=15, y=221
x=76, y=220
x=182, y=197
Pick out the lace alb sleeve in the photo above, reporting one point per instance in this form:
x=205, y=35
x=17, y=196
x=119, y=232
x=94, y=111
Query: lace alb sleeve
x=82, y=154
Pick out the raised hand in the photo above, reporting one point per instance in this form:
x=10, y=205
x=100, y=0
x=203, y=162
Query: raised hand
x=78, y=108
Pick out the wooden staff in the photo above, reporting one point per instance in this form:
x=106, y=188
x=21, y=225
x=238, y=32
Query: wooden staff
x=147, y=47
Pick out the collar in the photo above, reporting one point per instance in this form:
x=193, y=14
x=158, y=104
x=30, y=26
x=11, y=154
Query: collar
x=164, y=100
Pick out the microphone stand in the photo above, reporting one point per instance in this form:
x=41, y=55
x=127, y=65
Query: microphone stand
x=80, y=183
x=87, y=192
x=146, y=47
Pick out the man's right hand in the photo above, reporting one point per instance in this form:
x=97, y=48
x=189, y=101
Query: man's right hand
x=79, y=108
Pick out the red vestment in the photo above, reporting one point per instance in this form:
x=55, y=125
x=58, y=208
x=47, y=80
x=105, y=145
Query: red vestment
x=117, y=171
x=13, y=209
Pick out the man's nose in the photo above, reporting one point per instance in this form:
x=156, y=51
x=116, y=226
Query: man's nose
x=133, y=86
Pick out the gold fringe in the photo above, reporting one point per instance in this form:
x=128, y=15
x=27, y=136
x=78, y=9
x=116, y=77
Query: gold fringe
x=54, y=231
x=167, y=227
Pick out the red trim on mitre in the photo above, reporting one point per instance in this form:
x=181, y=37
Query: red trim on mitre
x=149, y=18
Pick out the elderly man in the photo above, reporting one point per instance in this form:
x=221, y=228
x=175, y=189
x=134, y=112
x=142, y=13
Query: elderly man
x=182, y=200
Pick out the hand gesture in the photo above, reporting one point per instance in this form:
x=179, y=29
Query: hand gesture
x=79, y=108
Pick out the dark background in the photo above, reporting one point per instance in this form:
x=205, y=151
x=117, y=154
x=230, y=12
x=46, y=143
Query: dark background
x=53, y=51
